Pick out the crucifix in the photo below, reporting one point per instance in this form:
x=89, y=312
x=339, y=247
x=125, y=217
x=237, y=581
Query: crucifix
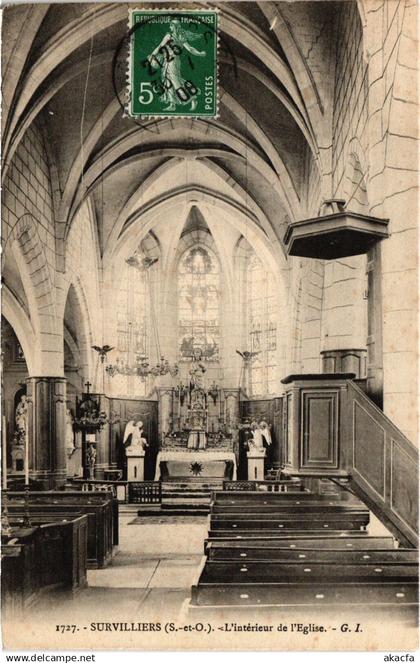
x=88, y=386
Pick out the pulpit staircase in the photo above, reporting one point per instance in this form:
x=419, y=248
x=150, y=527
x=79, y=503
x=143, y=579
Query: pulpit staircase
x=300, y=554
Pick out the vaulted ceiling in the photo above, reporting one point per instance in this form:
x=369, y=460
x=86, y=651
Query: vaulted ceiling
x=64, y=68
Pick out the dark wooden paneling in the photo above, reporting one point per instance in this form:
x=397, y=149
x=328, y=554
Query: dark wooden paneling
x=369, y=448
x=404, y=499
x=147, y=412
x=319, y=429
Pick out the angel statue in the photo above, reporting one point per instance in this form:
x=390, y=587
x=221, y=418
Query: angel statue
x=172, y=81
x=135, y=430
x=260, y=432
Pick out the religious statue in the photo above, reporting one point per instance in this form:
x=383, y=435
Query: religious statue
x=91, y=459
x=197, y=371
x=135, y=430
x=70, y=446
x=21, y=417
x=260, y=432
x=197, y=410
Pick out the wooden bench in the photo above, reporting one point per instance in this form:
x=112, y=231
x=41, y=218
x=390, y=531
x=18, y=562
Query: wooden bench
x=76, y=497
x=101, y=510
x=298, y=509
x=240, y=499
x=43, y=558
x=223, y=551
x=297, y=593
x=308, y=571
x=281, y=551
x=345, y=521
x=263, y=505
x=300, y=541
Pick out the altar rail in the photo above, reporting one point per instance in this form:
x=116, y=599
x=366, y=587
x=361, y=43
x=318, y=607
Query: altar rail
x=119, y=489
x=281, y=486
x=131, y=492
x=144, y=492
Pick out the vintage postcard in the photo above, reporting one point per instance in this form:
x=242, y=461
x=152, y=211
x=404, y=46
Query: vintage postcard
x=209, y=409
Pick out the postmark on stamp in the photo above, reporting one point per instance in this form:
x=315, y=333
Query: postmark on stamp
x=173, y=63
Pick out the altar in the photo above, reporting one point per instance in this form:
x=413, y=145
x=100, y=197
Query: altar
x=195, y=465
x=197, y=428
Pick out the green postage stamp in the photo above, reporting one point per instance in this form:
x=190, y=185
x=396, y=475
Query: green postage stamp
x=173, y=63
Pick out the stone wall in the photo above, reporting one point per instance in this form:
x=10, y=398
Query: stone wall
x=374, y=168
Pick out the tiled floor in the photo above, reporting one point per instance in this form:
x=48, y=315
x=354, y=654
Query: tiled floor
x=152, y=571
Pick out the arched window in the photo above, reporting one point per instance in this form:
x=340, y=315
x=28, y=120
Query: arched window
x=131, y=308
x=262, y=327
x=198, y=304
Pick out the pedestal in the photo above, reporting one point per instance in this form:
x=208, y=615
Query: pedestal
x=135, y=465
x=256, y=460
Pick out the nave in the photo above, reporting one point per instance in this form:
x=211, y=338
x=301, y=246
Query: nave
x=255, y=570
x=198, y=306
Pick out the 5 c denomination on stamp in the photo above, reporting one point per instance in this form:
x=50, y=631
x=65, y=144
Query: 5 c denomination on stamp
x=173, y=63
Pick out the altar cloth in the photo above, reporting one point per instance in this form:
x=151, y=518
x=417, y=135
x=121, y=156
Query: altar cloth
x=188, y=463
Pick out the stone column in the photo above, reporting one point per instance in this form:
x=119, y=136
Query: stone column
x=47, y=430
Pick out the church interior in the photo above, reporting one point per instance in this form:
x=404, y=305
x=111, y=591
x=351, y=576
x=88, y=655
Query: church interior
x=209, y=325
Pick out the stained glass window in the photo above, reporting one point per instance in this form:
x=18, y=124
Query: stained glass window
x=131, y=307
x=198, y=304
x=262, y=328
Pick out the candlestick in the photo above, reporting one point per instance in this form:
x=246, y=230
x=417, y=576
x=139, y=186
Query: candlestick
x=4, y=453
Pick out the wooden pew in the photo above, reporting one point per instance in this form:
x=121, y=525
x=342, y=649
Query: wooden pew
x=307, y=551
x=256, y=499
x=387, y=593
x=297, y=509
x=297, y=540
x=366, y=548
x=308, y=571
x=270, y=506
x=79, y=498
x=100, y=509
x=48, y=557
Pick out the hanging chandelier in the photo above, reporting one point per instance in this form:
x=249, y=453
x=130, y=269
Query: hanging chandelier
x=139, y=366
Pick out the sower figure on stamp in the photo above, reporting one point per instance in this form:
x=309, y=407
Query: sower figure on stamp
x=170, y=48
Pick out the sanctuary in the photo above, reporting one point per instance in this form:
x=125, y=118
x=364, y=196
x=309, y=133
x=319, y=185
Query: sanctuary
x=209, y=321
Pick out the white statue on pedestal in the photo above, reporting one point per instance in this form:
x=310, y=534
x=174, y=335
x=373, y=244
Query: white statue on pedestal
x=135, y=451
x=260, y=432
x=138, y=442
x=257, y=452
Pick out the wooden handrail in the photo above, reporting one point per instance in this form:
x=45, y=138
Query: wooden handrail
x=382, y=465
